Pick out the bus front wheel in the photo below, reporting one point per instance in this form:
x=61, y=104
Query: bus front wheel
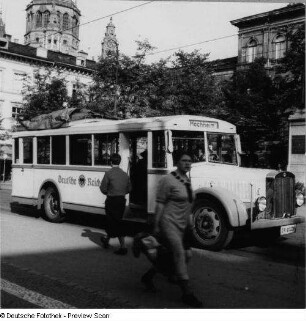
x=210, y=230
x=52, y=209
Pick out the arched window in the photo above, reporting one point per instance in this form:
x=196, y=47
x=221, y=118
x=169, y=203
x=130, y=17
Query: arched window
x=38, y=19
x=65, y=21
x=279, y=45
x=74, y=26
x=251, y=51
x=46, y=18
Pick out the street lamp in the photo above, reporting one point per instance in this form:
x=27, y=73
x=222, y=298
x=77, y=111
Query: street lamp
x=4, y=159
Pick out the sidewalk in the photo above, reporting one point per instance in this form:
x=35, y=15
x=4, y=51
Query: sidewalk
x=6, y=185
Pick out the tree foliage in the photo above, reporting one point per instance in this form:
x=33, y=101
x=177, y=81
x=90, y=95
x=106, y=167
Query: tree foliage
x=47, y=92
x=290, y=73
x=127, y=87
x=251, y=105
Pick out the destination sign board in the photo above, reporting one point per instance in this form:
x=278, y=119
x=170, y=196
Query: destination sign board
x=203, y=124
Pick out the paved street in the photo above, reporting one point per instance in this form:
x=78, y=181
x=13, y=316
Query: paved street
x=48, y=265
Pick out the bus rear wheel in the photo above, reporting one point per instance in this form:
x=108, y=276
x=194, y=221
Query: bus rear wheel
x=52, y=208
x=211, y=230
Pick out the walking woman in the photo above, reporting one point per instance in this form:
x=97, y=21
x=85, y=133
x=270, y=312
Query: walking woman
x=115, y=184
x=172, y=225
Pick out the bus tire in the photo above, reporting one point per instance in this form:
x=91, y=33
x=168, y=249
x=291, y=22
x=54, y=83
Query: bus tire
x=211, y=230
x=52, y=208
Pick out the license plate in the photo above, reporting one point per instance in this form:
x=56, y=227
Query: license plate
x=287, y=229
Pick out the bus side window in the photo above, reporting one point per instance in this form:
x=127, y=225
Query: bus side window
x=104, y=146
x=58, y=150
x=80, y=150
x=159, y=150
x=27, y=150
x=192, y=142
x=43, y=150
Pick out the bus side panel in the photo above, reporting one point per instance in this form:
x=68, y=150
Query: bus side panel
x=75, y=187
x=22, y=182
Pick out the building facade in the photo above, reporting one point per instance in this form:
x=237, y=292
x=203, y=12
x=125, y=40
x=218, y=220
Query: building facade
x=266, y=34
x=51, y=41
x=53, y=25
x=262, y=35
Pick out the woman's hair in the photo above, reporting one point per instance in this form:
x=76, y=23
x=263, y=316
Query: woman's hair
x=179, y=154
x=115, y=159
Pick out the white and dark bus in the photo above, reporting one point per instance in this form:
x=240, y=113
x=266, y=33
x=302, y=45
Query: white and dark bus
x=61, y=169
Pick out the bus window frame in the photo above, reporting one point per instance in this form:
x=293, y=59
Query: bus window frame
x=33, y=150
x=220, y=156
x=93, y=147
x=50, y=150
x=204, y=148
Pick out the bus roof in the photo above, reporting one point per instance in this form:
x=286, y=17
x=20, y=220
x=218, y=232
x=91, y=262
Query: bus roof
x=176, y=122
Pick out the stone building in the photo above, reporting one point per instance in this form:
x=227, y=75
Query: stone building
x=53, y=25
x=262, y=35
x=51, y=40
x=266, y=34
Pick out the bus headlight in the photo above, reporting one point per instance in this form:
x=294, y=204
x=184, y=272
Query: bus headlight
x=299, y=199
x=261, y=203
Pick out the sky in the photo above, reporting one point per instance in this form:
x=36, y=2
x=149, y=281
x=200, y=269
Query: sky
x=166, y=24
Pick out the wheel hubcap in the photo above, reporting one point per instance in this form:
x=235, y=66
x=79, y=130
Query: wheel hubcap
x=207, y=223
x=54, y=204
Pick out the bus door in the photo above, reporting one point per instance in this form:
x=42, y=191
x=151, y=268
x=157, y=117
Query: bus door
x=23, y=171
x=138, y=169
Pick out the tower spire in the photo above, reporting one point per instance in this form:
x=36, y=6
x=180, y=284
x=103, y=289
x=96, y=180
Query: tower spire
x=2, y=24
x=110, y=43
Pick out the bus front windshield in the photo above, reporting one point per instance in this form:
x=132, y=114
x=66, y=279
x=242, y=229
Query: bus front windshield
x=221, y=148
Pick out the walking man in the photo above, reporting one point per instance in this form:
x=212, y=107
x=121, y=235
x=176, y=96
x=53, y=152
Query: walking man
x=115, y=184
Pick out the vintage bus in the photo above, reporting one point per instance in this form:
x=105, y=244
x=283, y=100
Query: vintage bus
x=61, y=169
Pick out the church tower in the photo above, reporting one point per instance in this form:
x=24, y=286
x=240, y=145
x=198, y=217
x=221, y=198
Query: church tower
x=2, y=25
x=110, y=43
x=54, y=25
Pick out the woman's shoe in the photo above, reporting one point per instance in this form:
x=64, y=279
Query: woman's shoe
x=192, y=300
x=105, y=241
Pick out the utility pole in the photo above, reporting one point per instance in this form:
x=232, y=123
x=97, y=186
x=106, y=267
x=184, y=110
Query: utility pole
x=116, y=79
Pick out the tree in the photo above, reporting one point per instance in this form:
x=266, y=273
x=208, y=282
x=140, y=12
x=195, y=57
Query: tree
x=128, y=87
x=48, y=92
x=45, y=94
x=251, y=105
x=120, y=85
x=290, y=73
x=189, y=87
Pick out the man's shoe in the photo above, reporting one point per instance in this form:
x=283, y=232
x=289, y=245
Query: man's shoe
x=121, y=251
x=105, y=241
x=192, y=301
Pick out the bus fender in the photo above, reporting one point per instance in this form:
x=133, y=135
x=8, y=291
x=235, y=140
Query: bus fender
x=42, y=190
x=233, y=206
